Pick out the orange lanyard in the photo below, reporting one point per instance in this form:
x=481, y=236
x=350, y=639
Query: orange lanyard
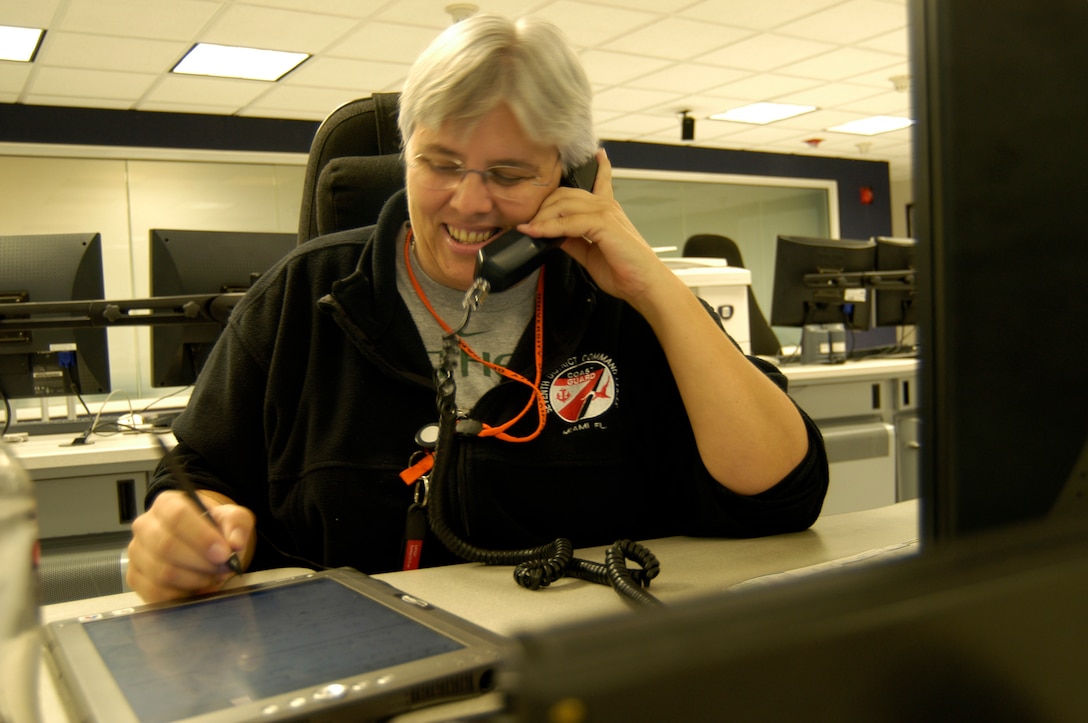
x=537, y=396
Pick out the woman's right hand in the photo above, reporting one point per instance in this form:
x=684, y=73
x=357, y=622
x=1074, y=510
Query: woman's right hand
x=177, y=552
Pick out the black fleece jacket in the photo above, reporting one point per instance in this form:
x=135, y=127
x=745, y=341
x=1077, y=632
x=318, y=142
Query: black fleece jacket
x=308, y=408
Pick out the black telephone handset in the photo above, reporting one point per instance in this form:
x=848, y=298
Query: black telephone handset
x=513, y=255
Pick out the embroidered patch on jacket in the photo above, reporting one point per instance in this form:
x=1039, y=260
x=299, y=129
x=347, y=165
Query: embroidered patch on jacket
x=582, y=388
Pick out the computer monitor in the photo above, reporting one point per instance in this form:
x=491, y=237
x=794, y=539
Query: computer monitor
x=49, y=362
x=998, y=197
x=821, y=281
x=896, y=284
x=202, y=262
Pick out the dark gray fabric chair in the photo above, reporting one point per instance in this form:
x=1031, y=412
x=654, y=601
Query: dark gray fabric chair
x=763, y=340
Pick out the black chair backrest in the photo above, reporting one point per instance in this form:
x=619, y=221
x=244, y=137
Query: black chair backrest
x=713, y=246
x=354, y=167
x=763, y=340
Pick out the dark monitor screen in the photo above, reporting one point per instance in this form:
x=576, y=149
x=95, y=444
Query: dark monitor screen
x=838, y=295
x=51, y=362
x=1002, y=254
x=895, y=295
x=202, y=262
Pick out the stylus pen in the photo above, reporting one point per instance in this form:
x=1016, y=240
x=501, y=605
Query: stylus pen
x=189, y=489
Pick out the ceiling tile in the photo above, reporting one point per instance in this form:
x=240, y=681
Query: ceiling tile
x=688, y=78
x=765, y=86
x=606, y=68
x=226, y=92
x=69, y=101
x=632, y=100
x=889, y=103
x=432, y=13
x=149, y=19
x=357, y=9
x=274, y=29
x=188, y=106
x=897, y=42
x=826, y=96
x=591, y=25
x=761, y=15
x=26, y=14
x=668, y=7
x=100, y=52
x=765, y=52
x=365, y=76
x=677, y=38
x=315, y=103
x=637, y=124
x=385, y=42
x=840, y=64
x=880, y=78
x=13, y=76
x=79, y=83
x=848, y=22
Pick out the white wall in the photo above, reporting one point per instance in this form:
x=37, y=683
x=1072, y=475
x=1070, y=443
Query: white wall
x=902, y=194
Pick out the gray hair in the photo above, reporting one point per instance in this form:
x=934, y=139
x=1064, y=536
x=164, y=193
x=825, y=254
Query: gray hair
x=486, y=59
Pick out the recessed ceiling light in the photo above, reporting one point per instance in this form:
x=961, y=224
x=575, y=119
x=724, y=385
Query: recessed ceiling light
x=873, y=126
x=19, y=44
x=761, y=113
x=226, y=61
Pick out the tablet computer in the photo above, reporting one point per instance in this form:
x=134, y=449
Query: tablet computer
x=330, y=645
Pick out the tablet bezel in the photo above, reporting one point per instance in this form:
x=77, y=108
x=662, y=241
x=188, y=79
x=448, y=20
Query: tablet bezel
x=90, y=691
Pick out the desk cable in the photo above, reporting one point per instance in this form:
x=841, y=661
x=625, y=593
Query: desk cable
x=535, y=567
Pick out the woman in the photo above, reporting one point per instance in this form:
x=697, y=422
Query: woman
x=600, y=398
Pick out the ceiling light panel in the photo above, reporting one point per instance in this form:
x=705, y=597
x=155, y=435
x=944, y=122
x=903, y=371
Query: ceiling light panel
x=19, y=44
x=763, y=113
x=227, y=61
x=873, y=126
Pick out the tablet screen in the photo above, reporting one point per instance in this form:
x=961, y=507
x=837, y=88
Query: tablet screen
x=225, y=652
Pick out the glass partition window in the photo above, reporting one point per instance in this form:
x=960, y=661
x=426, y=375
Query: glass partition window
x=668, y=207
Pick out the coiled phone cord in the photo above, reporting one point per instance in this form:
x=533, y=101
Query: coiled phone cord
x=535, y=567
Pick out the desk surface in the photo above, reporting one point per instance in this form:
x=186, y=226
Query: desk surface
x=54, y=452
x=691, y=568
x=855, y=370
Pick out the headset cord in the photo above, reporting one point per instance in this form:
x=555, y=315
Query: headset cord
x=535, y=567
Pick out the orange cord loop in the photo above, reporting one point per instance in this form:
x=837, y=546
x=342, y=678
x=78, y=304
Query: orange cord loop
x=537, y=397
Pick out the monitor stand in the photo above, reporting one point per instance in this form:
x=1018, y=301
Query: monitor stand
x=823, y=343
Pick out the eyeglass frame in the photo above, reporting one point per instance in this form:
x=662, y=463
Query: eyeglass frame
x=457, y=173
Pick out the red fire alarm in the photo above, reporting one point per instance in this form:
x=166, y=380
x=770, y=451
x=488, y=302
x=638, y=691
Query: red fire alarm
x=866, y=195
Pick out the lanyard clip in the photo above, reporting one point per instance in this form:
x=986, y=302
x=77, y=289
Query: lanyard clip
x=476, y=294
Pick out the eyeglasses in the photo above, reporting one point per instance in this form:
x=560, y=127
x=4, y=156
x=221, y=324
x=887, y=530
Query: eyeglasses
x=511, y=183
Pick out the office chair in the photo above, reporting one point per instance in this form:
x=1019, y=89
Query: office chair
x=354, y=167
x=763, y=340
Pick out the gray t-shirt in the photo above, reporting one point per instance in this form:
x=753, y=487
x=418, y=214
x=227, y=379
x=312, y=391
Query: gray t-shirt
x=492, y=332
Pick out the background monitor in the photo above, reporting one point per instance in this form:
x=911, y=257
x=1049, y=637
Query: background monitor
x=835, y=299
x=895, y=296
x=202, y=262
x=51, y=362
